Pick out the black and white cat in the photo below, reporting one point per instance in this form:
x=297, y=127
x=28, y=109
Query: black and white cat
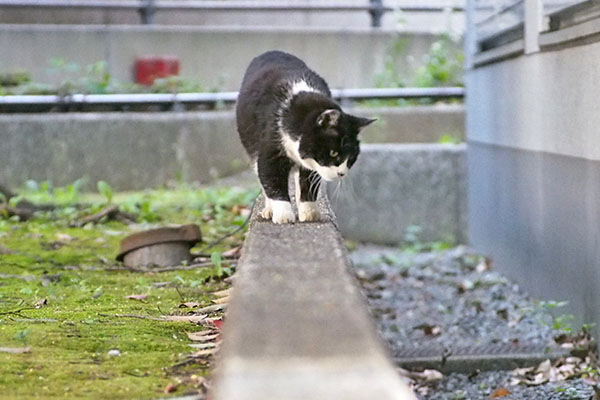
x=289, y=123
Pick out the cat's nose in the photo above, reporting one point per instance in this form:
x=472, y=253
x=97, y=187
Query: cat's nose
x=341, y=174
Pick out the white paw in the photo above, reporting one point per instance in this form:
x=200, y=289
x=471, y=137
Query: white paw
x=267, y=212
x=282, y=212
x=308, y=211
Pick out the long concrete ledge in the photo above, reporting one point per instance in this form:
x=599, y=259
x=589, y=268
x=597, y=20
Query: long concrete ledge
x=139, y=150
x=297, y=326
x=395, y=186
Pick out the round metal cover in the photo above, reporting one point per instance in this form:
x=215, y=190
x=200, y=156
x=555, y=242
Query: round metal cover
x=184, y=233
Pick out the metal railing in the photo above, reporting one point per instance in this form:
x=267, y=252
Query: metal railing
x=148, y=8
x=83, y=102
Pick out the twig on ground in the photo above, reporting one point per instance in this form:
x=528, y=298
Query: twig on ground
x=108, y=212
x=27, y=278
x=18, y=310
x=131, y=316
x=162, y=269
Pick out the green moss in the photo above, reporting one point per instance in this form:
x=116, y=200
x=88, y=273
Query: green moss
x=71, y=334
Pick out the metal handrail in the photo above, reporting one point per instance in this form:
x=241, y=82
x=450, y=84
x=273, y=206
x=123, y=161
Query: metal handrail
x=147, y=8
x=79, y=101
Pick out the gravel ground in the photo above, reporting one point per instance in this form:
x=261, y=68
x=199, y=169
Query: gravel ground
x=454, y=300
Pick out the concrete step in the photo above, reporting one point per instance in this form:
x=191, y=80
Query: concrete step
x=297, y=326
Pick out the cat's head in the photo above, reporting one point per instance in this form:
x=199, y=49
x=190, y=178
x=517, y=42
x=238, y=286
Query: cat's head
x=329, y=142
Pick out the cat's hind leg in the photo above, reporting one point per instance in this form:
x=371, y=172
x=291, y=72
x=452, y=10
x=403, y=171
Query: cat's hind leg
x=307, y=189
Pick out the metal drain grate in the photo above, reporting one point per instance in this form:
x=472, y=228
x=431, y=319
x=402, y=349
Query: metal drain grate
x=486, y=357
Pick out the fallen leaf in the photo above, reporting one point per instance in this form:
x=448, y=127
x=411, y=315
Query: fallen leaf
x=170, y=388
x=64, y=238
x=185, y=318
x=430, y=330
x=202, y=336
x=138, y=297
x=41, y=303
x=500, y=392
x=207, y=345
x=222, y=293
x=15, y=350
x=235, y=252
x=221, y=300
x=217, y=323
x=189, y=304
x=204, y=353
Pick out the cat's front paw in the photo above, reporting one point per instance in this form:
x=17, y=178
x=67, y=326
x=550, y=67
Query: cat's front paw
x=308, y=211
x=282, y=212
x=267, y=212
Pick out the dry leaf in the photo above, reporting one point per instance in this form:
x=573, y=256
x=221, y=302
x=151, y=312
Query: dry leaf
x=204, y=353
x=223, y=293
x=64, y=238
x=41, y=303
x=185, y=318
x=170, y=388
x=15, y=350
x=139, y=297
x=210, y=309
x=203, y=336
x=221, y=300
x=430, y=330
x=189, y=304
x=201, y=346
x=501, y=392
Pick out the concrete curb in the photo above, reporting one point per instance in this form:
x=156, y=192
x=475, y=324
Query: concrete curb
x=297, y=326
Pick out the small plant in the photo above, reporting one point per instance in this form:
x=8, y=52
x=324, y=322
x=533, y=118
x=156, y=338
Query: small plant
x=448, y=138
x=105, y=190
x=443, y=65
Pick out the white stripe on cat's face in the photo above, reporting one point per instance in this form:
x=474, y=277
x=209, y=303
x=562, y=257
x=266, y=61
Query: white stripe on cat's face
x=329, y=173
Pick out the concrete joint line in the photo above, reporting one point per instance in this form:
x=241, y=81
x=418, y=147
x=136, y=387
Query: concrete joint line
x=297, y=326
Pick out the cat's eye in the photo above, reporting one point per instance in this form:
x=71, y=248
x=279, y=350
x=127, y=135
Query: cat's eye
x=333, y=153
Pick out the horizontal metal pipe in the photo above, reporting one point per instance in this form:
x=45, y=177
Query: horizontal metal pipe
x=210, y=98
x=217, y=5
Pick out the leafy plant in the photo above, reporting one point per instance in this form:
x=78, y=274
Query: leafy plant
x=443, y=65
x=105, y=190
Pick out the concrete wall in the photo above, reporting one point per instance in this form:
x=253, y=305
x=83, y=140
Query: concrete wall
x=395, y=186
x=213, y=56
x=138, y=150
x=130, y=150
x=534, y=170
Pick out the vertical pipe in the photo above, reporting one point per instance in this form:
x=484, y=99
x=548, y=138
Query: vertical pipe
x=376, y=11
x=533, y=25
x=470, y=34
x=147, y=11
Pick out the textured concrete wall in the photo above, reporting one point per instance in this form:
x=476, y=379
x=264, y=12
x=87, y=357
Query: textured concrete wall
x=130, y=150
x=395, y=186
x=215, y=57
x=137, y=150
x=534, y=171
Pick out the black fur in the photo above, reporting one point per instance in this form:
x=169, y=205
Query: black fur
x=266, y=107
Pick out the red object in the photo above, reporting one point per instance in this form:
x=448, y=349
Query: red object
x=147, y=69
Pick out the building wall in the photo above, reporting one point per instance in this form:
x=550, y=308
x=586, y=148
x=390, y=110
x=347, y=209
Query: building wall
x=216, y=57
x=534, y=171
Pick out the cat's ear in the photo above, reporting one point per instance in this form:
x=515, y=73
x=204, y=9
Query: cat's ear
x=362, y=122
x=328, y=118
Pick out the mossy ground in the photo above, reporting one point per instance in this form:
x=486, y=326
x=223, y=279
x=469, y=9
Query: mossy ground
x=65, y=311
